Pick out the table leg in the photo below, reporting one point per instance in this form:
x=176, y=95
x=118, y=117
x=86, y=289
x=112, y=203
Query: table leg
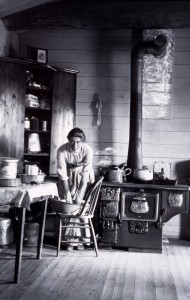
x=20, y=212
x=42, y=226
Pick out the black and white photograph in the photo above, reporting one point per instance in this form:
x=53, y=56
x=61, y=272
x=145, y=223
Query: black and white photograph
x=94, y=150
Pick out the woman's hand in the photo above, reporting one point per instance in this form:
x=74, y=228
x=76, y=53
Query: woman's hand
x=77, y=201
x=69, y=198
x=76, y=198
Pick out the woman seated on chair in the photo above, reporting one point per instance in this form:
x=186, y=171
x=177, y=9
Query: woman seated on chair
x=75, y=171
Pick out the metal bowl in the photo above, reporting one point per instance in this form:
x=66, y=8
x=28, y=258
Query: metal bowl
x=65, y=208
x=32, y=178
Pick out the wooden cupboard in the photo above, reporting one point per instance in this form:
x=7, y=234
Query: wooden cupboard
x=12, y=95
x=63, y=111
x=60, y=116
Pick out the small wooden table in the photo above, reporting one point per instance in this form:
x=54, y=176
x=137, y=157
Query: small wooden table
x=21, y=198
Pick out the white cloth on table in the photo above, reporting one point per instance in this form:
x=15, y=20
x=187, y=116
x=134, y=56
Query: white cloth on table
x=24, y=195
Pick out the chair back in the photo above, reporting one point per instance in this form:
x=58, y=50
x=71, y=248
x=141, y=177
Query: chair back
x=91, y=197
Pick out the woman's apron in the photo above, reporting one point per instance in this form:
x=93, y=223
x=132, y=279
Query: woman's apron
x=78, y=234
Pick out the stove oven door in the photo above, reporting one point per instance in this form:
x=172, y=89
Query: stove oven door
x=139, y=215
x=139, y=206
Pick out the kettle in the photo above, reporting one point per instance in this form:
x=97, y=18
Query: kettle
x=143, y=175
x=115, y=174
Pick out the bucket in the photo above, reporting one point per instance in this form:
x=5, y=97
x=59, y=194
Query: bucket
x=31, y=232
x=8, y=167
x=6, y=231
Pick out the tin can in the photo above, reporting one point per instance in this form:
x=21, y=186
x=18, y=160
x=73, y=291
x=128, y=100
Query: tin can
x=44, y=125
x=8, y=167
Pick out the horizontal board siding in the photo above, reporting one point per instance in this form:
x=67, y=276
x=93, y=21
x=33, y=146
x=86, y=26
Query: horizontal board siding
x=103, y=83
x=101, y=69
x=182, y=44
x=182, y=71
x=89, y=56
x=180, y=60
x=103, y=58
x=119, y=110
x=82, y=43
x=107, y=97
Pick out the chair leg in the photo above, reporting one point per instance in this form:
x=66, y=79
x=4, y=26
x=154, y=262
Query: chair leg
x=93, y=236
x=59, y=236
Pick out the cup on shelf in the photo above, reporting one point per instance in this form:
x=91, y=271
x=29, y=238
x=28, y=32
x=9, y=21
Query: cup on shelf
x=44, y=125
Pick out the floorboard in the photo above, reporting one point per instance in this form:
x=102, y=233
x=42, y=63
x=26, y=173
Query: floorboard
x=113, y=275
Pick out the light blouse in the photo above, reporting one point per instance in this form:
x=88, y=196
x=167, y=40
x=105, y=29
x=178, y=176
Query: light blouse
x=68, y=159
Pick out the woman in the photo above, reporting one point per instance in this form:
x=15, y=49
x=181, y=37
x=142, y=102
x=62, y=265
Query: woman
x=75, y=170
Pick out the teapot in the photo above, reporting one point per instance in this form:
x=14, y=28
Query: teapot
x=143, y=175
x=116, y=174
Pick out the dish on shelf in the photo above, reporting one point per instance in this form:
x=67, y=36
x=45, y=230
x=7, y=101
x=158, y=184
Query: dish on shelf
x=32, y=178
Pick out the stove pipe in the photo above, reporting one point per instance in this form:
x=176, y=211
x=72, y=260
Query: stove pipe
x=157, y=47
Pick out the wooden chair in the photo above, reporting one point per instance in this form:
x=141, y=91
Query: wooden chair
x=85, y=214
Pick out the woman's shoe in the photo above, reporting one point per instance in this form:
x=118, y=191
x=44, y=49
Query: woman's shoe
x=80, y=247
x=70, y=248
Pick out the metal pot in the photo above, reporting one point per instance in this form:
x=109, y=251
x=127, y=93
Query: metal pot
x=115, y=174
x=143, y=175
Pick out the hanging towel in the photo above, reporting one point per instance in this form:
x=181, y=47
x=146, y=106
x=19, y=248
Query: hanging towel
x=99, y=108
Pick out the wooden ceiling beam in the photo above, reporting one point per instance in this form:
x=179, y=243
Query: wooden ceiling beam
x=8, y=7
x=102, y=14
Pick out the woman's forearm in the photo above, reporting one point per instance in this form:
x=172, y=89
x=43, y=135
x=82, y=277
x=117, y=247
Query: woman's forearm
x=65, y=191
x=79, y=196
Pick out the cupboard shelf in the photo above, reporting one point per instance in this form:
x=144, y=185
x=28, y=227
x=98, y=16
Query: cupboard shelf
x=37, y=109
x=37, y=131
x=36, y=154
x=36, y=89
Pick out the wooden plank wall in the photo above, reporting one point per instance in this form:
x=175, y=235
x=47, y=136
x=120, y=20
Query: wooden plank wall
x=103, y=59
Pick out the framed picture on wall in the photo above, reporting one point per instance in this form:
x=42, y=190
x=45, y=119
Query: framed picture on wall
x=38, y=55
x=42, y=56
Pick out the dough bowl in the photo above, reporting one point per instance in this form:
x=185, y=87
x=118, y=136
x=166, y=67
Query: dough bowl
x=65, y=208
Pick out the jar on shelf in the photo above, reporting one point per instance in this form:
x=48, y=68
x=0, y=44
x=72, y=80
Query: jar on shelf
x=44, y=125
x=34, y=123
x=27, y=123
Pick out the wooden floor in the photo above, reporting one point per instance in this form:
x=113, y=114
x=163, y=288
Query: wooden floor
x=115, y=274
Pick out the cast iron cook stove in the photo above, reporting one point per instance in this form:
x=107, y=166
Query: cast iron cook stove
x=109, y=215
x=132, y=215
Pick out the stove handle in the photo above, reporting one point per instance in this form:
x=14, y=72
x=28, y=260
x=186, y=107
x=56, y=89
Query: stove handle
x=119, y=219
x=161, y=218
